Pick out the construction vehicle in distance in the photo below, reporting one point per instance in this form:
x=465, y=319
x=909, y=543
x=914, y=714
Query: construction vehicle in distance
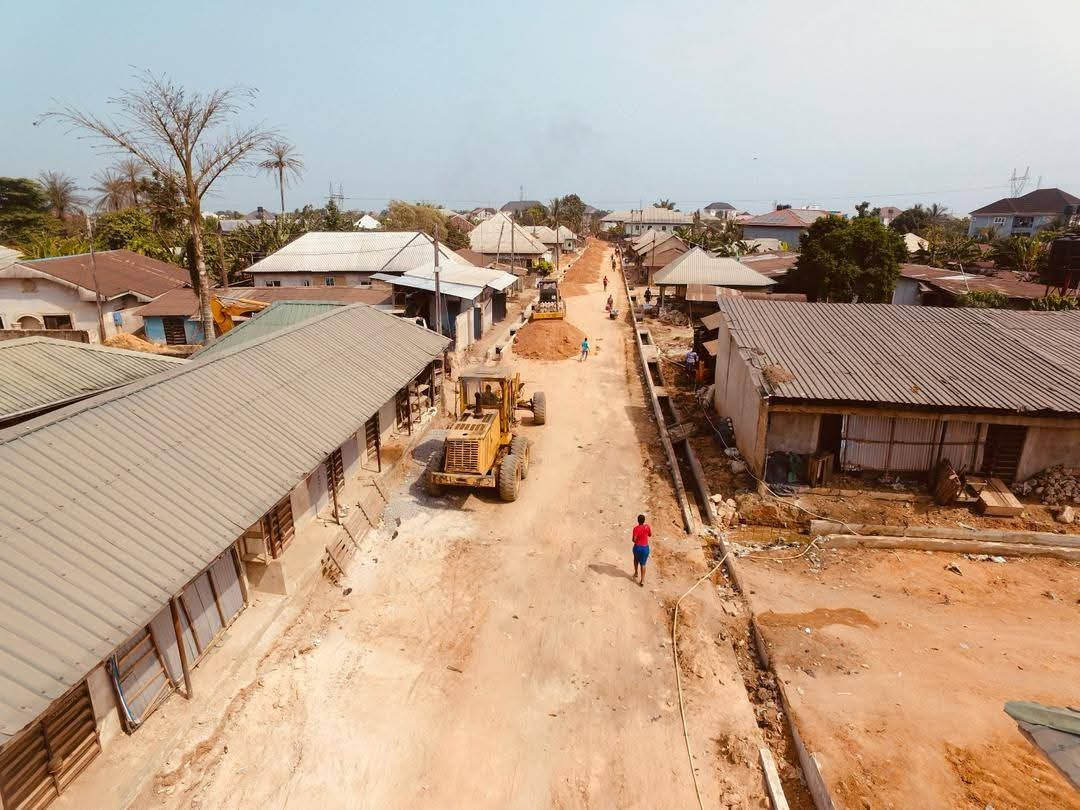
x=482, y=447
x=549, y=302
x=224, y=310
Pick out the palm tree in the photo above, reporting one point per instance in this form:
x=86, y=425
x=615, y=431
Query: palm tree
x=664, y=203
x=133, y=174
x=1024, y=254
x=282, y=161
x=113, y=191
x=61, y=191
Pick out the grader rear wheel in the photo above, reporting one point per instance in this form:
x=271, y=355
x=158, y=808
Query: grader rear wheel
x=509, y=478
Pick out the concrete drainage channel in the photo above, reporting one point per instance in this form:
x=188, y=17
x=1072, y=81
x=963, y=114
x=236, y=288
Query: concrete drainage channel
x=765, y=690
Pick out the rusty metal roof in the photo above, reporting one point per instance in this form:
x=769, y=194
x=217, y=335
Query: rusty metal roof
x=119, y=272
x=110, y=505
x=921, y=357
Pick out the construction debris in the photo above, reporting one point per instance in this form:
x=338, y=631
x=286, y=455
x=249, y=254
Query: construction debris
x=1055, y=486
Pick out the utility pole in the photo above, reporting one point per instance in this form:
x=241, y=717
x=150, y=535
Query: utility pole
x=93, y=276
x=510, y=216
x=221, y=261
x=438, y=327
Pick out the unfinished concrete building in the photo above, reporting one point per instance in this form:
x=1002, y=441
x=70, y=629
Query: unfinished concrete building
x=895, y=389
x=133, y=523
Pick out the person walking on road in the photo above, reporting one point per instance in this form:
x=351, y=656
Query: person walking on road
x=691, y=367
x=648, y=296
x=584, y=349
x=605, y=283
x=641, y=534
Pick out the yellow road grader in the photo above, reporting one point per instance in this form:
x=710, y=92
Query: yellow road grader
x=483, y=448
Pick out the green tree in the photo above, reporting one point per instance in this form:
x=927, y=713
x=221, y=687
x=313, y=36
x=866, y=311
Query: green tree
x=1025, y=254
x=848, y=260
x=284, y=162
x=62, y=192
x=537, y=215
x=455, y=238
x=945, y=248
x=572, y=212
x=404, y=216
x=863, y=210
x=190, y=139
x=983, y=299
x=333, y=219
x=133, y=229
x=1055, y=302
x=24, y=211
x=46, y=244
x=114, y=191
x=664, y=203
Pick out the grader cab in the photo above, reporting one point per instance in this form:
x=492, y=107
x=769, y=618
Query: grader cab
x=549, y=301
x=483, y=448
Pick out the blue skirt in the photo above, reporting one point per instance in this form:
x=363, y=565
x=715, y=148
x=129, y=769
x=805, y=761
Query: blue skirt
x=641, y=554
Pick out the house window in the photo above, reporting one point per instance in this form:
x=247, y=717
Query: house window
x=57, y=321
x=273, y=283
x=1000, y=220
x=306, y=282
x=1023, y=222
x=329, y=281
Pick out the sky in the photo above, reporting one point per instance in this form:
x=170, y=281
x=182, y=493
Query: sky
x=467, y=103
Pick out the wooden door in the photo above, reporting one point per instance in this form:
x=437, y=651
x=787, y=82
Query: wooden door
x=142, y=679
x=278, y=527
x=371, y=440
x=39, y=765
x=1004, y=444
x=175, y=334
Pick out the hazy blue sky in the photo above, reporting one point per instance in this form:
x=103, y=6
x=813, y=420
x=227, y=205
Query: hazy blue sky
x=827, y=102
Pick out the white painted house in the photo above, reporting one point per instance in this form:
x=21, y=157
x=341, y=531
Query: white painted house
x=61, y=293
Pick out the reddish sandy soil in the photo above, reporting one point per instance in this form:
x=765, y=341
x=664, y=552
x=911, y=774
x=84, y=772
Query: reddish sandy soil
x=899, y=684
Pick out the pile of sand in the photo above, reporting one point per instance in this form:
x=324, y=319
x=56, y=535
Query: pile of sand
x=136, y=344
x=548, y=340
x=586, y=270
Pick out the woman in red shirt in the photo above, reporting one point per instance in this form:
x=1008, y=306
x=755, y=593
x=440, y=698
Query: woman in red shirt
x=641, y=534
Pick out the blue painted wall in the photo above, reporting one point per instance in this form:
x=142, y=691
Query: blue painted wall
x=155, y=330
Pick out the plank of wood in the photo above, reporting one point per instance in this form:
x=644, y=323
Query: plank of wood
x=943, y=544
x=772, y=780
x=822, y=527
x=996, y=499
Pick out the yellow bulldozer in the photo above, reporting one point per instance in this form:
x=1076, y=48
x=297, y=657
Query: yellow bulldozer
x=549, y=301
x=482, y=447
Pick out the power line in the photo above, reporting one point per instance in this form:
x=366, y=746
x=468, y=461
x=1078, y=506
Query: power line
x=836, y=196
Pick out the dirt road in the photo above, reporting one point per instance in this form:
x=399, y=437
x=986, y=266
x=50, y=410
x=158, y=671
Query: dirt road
x=499, y=655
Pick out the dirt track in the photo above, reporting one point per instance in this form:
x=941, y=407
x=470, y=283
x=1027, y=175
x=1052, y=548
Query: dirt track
x=499, y=655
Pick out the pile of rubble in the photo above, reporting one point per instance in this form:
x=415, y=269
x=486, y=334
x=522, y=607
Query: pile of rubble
x=1055, y=486
x=674, y=317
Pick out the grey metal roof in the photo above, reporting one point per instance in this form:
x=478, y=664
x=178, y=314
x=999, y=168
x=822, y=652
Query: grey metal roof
x=109, y=506
x=471, y=275
x=42, y=372
x=466, y=292
x=660, y=216
x=492, y=236
x=921, y=357
x=698, y=267
x=353, y=252
x=279, y=315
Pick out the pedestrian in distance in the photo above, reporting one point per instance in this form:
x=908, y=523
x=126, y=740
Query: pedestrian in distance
x=648, y=296
x=605, y=283
x=641, y=534
x=584, y=349
x=691, y=366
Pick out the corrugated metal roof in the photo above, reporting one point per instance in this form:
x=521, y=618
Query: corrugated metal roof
x=660, y=216
x=497, y=280
x=492, y=236
x=353, y=252
x=698, y=267
x=787, y=218
x=279, y=315
x=185, y=302
x=466, y=292
x=111, y=505
x=43, y=372
x=119, y=272
x=923, y=357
